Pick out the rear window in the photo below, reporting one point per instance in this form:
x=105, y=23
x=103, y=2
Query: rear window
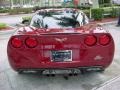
x=59, y=19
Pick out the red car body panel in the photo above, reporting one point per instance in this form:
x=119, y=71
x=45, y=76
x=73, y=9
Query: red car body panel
x=70, y=39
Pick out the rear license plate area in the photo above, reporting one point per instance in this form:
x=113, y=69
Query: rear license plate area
x=61, y=55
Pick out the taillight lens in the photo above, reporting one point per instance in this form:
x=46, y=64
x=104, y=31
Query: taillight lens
x=31, y=42
x=90, y=40
x=104, y=40
x=16, y=42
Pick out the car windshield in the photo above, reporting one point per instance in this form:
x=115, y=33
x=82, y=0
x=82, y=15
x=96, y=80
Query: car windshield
x=59, y=18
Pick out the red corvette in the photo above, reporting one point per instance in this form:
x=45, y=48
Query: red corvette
x=60, y=39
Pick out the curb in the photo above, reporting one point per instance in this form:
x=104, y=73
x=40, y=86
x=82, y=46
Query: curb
x=113, y=22
x=6, y=34
x=4, y=14
x=106, y=83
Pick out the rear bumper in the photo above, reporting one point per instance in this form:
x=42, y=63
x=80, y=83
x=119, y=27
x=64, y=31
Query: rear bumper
x=59, y=65
x=19, y=60
x=92, y=68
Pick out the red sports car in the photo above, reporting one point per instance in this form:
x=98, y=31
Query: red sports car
x=60, y=39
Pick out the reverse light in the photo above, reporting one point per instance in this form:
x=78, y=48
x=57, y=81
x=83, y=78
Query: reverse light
x=16, y=42
x=31, y=42
x=104, y=40
x=90, y=40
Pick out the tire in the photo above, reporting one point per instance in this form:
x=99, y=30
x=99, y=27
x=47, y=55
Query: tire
x=101, y=70
x=20, y=71
x=83, y=70
x=39, y=71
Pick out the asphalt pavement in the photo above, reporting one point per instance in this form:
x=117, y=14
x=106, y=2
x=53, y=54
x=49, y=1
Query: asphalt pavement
x=114, y=82
x=10, y=80
x=13, y=19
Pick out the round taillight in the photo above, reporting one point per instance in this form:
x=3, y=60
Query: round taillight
x=16, y=42
x=31, y=42
x=90, y=40
x=104, y=40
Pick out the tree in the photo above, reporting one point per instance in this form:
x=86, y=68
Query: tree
x=104, y=1
x=11, y=4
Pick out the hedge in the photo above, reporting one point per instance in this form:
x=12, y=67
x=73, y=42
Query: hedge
x=106, y=5
x=4, y=10
x=87, y=12
x=97, y=13
x=115, y=12
x=20, y=10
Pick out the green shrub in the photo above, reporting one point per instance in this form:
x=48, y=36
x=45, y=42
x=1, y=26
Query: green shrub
x=115, y=12
x=4, y=10
x=111, y=12
x=13, y=11
x=87, y=12
x=106, y=5
x=27, y=10
x=107, y=9
x=26, y=19
x=36, y=8
x=3, y=25
x=107, y=12
x=118, y=5
x=97, y=13
x=20, y=10
x=1, y=8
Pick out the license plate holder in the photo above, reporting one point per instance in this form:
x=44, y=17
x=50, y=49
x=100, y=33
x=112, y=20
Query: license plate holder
x=61, y=55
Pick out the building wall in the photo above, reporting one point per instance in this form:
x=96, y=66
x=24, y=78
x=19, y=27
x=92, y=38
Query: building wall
x=4, y=3
x=95, y=3
x=45, y=3
x=48, y=3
